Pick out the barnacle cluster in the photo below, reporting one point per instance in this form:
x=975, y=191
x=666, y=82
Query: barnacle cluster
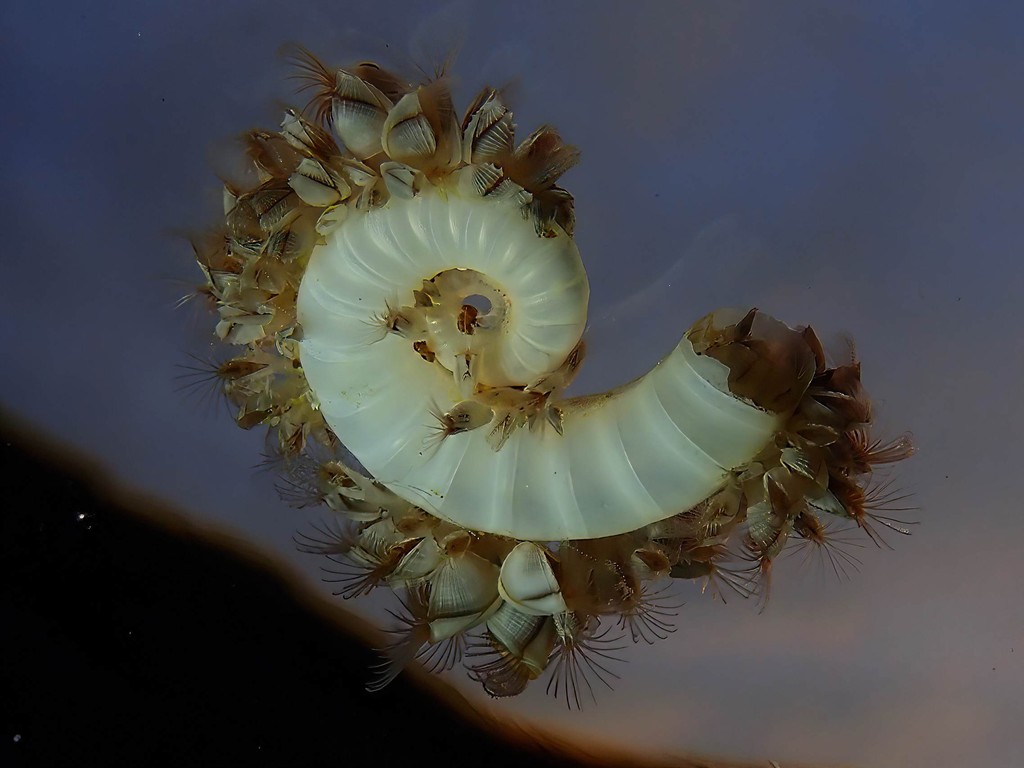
x=401, y=285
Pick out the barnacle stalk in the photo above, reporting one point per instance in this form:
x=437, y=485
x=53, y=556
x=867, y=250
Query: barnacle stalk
x=400, y=285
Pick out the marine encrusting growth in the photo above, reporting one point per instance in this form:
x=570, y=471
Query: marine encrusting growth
x=402, y=284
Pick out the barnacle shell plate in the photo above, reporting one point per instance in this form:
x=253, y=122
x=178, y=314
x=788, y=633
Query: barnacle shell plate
x=626, y=458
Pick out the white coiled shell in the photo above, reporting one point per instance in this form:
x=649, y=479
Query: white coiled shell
x=626, y=458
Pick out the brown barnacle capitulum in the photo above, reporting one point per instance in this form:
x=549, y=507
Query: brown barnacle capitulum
x=462, y=417
x=769, y=364
x=239, y=326
x=490, y=181
x=281, y=308
x=242, y=227
x=563, y=376
x=418, y=564
x=817, y=349
x=245, y=247
x=317, y=184
x=722, y=513
x=769, y=523
x=528, y=582
x=553, y=417
x=220, y=267
x=401, y=181
x=250, y=414
x=265, y=275
x=649, y=562
x=709, y=564
x=272, y=155
x=416, y=522
x=333, y=216
x=770, y=520
x=808, y=430
x=226, y=379
x=515, y=407
x=307, y=483
x=271, y=204
x=306, y=137
x=358, y=111
x=257, y=212
x=401, y=322
x=229, y=196
x=374, y=555
x=800, y=462
x=244, y=309
x=455, y=541
x=706, y=336
x=337, y=475
x=421, y=130
x=293, y=427
x=412, y=642
x=300, y=420
x=551, y=207
x=840, y=397
x=460, y=593
x=293, y=240
x=597, y=576
x=505, y=426
x=368, y=180
x=385, y=81
x=541, y=160
x=366, y=500
x=242, y=222
x=514, y=651
x=487, y=129
x=240, y=369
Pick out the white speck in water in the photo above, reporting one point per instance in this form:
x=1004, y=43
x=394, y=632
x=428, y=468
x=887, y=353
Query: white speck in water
x=81, y=515
x=17, y=738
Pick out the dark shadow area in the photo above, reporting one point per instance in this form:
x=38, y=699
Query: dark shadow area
x=132, y=639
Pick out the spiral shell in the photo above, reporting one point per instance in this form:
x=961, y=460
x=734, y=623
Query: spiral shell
x=623, y=459
x=414, y=295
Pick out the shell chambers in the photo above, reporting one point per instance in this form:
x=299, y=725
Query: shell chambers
x=404, y=288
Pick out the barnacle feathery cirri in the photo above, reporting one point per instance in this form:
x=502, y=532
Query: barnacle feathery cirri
x=403, y=287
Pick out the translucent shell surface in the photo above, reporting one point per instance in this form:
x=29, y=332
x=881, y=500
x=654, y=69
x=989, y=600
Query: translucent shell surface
x=381, y=257
x=623, y=459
